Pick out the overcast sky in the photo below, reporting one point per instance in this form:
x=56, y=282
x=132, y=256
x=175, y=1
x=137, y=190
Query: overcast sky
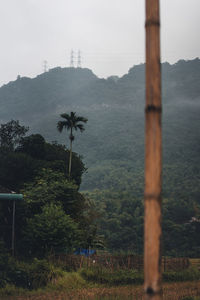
x=109, y=33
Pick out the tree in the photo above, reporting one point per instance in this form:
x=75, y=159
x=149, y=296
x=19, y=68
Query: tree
x=52, y=187
x=11, y=134
x=51, y=230
x=33, y=145
x=48, y=189
x=50, y=156
x=17, y=168
x=72, y=122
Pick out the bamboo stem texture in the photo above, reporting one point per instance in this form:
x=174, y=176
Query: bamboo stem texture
x=153, y=155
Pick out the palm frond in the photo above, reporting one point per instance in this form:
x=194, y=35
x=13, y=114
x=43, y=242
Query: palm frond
x=80, y=127
x=73, y=114
x=66, y=116
x=81, y=119
x=60, y=126
x=71, y=122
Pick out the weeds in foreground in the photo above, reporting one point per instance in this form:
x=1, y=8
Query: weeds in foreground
x=171, y=291
x=133, y=277
x=102, y=284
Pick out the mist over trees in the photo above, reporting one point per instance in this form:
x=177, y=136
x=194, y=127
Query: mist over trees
x=112, y=149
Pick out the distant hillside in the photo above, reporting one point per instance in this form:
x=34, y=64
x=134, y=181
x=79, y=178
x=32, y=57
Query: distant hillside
x=113, y=143
x=27, y=98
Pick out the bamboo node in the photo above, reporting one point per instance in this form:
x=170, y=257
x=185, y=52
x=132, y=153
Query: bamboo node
x=152, y=196
x=152, y=22
x=153, y=108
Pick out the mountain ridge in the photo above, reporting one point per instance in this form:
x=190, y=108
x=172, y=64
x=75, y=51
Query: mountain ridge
x=114, y=138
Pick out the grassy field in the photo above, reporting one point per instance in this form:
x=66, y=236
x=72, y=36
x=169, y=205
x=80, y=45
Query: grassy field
x=171, y=291
x=102, y=284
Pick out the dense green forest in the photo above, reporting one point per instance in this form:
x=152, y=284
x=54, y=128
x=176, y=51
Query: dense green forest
x=108, y=176
x=54, y=216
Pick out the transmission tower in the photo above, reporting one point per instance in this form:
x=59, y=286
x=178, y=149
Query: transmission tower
x=79, y=59
x=45, y=66
x=72, y=59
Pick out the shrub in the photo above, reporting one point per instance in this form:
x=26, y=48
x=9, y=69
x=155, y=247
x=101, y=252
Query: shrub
x=10, y=290
x=52, y=230
x=185, y=275
x=31, y=275
x=4, y=265
x=69, y=281
x=123, y=277
x=40, y=273
x=117, y=277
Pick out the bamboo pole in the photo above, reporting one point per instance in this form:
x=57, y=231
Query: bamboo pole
x=153, y=153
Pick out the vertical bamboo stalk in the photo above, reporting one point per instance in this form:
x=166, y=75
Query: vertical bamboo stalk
x=153, y=153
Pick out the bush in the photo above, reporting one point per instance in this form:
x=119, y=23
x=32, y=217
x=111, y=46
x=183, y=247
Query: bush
x=52, y=230
x=117, y=277
x=10, y=290
x=123, y=277
x=8, y=268
x=4, y=265
x=69, y=281
x=31, y=275
x=185, y=275
x=40, y=273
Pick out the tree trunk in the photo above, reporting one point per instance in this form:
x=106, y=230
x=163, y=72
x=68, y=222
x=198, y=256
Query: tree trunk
x=70, y=156
x=153, y=153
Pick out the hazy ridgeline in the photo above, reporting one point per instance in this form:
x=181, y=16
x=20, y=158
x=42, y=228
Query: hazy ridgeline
x=113, y=144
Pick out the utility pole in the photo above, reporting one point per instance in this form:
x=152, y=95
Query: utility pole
x=79, y=59
x=153, y=155
x=72, y=59
x=13, y=229
x=13, y=196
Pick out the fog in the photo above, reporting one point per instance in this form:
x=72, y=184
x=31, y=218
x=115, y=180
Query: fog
x=110, y=34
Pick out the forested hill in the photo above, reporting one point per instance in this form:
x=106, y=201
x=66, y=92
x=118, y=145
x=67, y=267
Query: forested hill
x=113, y=143
x=27, y=99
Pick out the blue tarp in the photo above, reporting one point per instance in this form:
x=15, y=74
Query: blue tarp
x=85, y=252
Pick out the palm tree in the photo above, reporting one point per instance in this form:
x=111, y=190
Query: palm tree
x=71, y=122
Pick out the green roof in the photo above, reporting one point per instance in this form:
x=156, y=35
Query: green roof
x=13, y=196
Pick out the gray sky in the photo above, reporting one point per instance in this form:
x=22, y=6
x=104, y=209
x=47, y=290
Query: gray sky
x=109, y=33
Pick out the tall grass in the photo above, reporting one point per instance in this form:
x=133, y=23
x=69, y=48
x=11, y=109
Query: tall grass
x=102, y=284
x=127, y=277
x=171, y=291
x=116, y=277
